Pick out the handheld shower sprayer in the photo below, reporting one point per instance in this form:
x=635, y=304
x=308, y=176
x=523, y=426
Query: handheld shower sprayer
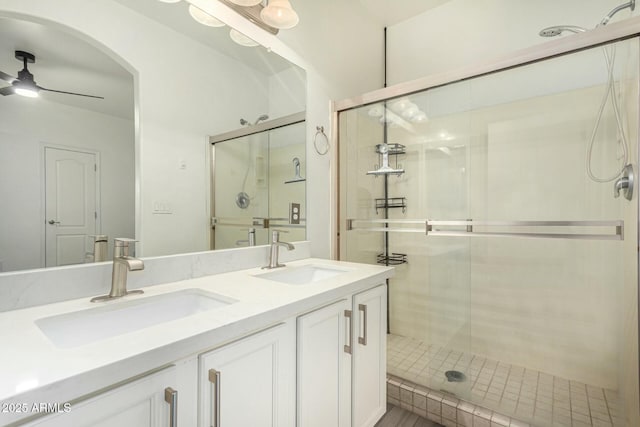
x=610, y=94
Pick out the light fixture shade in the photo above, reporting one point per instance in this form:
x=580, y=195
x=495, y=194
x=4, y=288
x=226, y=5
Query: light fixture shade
x=280, y=14
x=204, y=18
x=241, y=39
x=246, y=2
x=169, y=1
x=25, y=90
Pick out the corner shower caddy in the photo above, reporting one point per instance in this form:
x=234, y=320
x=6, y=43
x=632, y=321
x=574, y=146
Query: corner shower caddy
x=385, y=203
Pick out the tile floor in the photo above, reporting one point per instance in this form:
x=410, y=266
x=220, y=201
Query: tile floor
x=513, y=394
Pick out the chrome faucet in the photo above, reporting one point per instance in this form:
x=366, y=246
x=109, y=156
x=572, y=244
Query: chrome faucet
x=275, y=244
x=122, y=263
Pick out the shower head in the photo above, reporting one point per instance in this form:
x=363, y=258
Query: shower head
x=631, y=5
x=261, y=118
x=556, y=30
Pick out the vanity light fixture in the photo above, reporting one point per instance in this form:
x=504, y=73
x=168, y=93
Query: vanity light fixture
x=241, y=39
x=280, y=14
x=251, y=13
x=246, y=3
x=204, y=18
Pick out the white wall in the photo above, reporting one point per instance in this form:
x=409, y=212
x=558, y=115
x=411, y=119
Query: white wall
x=460, y=32
x=27, y=125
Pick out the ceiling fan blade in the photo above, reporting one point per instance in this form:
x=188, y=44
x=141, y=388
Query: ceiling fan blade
x=70, y=93
x=6, y=77
x=7, y=91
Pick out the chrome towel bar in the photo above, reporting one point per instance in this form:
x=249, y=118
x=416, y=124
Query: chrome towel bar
x=434, y=228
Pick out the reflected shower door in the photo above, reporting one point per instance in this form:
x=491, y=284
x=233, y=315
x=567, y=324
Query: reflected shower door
x=240, y=190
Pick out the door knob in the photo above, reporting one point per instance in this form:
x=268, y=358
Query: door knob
x=53, y=222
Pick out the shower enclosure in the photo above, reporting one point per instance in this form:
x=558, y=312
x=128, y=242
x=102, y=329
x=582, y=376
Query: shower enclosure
x=257, y=174
x=516, y=273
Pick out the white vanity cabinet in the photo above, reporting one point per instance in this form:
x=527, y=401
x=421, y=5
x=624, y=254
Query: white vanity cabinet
x=250, y=382
x=342, y=362
x=151, y=401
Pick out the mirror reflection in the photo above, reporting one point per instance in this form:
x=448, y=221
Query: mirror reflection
x=259, y=184
x=135, y=163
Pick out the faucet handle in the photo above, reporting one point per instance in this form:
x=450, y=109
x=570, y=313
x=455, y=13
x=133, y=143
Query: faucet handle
x=123, y=241
x=121, y=246
x=275, y=235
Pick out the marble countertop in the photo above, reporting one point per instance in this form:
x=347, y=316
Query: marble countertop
x=33, y=369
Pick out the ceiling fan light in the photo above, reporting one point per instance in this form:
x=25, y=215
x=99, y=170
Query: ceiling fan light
x=204, y=18
x=280, y=14
x=25, y=91
x=241, y=39
x=246, y=2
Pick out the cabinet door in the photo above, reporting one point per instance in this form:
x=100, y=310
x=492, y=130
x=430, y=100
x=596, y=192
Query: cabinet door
x=138, y=404
x=324, y=366
x=369, y=391
x=250, y=382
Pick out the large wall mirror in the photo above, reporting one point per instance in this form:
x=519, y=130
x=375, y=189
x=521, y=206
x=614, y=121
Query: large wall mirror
x=138, y=163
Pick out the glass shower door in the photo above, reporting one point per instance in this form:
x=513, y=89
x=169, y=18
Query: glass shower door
x=240, y=191
x=388, y=199
x=519, y=290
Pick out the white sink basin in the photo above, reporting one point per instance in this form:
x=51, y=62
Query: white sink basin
x=123, y=316
x=303, y=275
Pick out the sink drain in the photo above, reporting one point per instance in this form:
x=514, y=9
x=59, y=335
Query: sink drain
x=455, y=376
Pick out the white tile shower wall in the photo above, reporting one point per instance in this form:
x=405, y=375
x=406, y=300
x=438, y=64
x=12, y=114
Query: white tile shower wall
x=486, y=295
x=36, y=287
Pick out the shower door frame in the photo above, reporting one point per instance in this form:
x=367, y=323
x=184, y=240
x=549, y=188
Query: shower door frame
x=615, y=32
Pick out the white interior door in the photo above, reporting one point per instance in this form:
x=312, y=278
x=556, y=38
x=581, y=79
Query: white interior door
x=70, y=205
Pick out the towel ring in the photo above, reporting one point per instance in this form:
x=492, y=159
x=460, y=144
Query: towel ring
x=320, y=131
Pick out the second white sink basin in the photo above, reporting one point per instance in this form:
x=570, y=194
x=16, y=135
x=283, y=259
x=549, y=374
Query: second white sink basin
x=302, y=275
x=123, y=316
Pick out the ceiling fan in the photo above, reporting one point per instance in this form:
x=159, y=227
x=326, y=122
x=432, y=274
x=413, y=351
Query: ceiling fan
x=25, y=85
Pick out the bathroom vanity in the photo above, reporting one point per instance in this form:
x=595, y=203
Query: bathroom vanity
x=301, y=345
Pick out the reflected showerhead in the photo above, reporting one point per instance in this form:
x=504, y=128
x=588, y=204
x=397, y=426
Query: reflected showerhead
x=261, y=118
x=556, y=30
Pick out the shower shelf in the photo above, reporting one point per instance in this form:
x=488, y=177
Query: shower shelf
x=384, y=168
x=384, y=152
x=393, y=258
x=392, y=202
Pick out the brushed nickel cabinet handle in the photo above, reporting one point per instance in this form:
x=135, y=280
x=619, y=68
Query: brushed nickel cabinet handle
x=171, y=397
x=347, y=347
x=363, y=339
x=214, y=379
